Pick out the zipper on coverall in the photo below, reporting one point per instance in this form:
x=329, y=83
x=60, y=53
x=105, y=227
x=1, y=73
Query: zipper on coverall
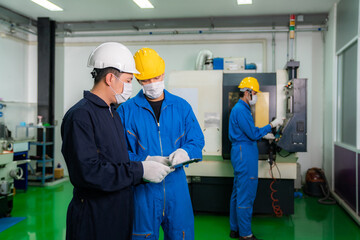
x=162, y=154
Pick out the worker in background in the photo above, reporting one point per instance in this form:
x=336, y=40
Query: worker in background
x=161, y=127
x=244, y=157
x=94, y=148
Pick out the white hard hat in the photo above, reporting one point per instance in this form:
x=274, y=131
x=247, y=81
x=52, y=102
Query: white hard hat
x=112, y=54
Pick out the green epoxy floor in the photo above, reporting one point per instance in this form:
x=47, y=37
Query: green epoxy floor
x=45, y=212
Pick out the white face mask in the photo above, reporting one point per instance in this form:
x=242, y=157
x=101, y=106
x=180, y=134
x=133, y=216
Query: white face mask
x=253, y=101
x=153, y=90
x=126, y=93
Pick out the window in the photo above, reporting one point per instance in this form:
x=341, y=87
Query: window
x=347, y=95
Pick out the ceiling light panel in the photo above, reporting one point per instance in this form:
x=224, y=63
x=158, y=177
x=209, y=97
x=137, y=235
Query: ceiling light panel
x=242, y=2
x=144, y=3
x=48, y=5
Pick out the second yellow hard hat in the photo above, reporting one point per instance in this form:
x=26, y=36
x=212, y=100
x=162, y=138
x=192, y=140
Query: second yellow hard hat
x=148, y=63
x=251, y=83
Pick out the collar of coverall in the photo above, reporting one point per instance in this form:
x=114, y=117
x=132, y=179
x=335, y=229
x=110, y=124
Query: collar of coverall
x=96, y=100
x=244, y=103
x=141, y=101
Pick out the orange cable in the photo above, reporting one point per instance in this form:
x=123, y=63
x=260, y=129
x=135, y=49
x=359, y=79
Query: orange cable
x=275, y=202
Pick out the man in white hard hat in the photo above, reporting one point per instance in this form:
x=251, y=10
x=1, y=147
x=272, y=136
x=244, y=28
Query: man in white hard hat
x=96, y=155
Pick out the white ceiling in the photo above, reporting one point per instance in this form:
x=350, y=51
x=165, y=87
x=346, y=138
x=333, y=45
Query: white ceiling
x=96, y=10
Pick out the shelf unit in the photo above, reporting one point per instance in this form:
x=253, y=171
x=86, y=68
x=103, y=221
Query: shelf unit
x=44, y=158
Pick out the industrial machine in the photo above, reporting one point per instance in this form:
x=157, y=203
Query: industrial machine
x=12, y=142
x=294, y=132
x=18, y=126
x=212, y=94
x=9, y=171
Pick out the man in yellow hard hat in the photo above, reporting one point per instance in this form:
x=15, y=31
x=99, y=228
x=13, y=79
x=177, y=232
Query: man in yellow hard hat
x=244, y=157
x=161, y=127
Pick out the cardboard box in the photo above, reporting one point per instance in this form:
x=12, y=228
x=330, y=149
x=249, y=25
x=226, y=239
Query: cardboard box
x=58, y=173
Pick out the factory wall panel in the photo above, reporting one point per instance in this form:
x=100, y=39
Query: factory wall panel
x=77, y=77
x=347, y=24
x=32, y=73
x=15, y=65
x=347, y=95
x=346, y=111
x=345, y=175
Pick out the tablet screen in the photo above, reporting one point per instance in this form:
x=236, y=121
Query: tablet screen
x=186, y=162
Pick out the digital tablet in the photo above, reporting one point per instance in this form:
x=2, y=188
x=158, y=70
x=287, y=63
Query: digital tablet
x=186, y=162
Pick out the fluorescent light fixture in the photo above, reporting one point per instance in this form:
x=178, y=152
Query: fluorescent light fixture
x=144, y=3
x=242, y=2
x=48, y=5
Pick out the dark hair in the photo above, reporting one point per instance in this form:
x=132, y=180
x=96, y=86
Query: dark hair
x=242, y=93
x=99, y=74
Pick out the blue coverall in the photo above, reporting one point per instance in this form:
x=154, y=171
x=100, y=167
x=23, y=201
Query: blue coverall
x=167, y=203
x=95, y=151
x=244, y=158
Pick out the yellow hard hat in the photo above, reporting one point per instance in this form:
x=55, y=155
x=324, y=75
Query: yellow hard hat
x=249, y=82
x=148, y=63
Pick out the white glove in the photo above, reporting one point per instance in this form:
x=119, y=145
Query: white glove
x=178, y=156
x=269, y=136
x=154, y=172
x=163, y=160
x=277, y=122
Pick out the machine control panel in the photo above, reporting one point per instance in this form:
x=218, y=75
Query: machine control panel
x=294, y=132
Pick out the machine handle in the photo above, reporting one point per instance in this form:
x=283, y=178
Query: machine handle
x=17, y=173
x=19, y=162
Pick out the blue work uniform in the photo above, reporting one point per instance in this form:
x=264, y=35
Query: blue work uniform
x=95, y=151
x=167, y=203
x=244, y=158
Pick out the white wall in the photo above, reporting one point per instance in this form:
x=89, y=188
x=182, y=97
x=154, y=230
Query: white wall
x=32, y=72
x=18, y=82
x=18, y=72
x=59, y=103
x=180, y=52
x=177, y=56
x=310, y=54
x=329, y=95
